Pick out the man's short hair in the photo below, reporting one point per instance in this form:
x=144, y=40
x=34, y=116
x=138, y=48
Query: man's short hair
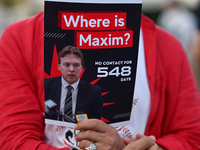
x=71, y=50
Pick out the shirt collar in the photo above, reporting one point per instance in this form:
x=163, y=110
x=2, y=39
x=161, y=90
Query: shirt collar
x=65, y=84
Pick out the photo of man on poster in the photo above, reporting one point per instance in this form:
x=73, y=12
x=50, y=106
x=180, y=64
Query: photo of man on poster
x=69, y=92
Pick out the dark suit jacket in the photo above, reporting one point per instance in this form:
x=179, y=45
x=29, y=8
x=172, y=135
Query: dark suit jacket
x=89, y=98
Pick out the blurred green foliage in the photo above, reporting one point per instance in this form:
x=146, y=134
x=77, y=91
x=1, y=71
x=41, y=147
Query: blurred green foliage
x=10, y=2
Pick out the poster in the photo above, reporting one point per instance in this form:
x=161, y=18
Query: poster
x=107, y=33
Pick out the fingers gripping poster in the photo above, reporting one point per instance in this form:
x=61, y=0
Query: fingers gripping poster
x=91, y=46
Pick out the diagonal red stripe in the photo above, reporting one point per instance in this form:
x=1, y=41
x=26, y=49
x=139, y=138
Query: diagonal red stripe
x=105, y=93
x=95, y=81
x=104, y=120
x=82, y=73
x=106, y=104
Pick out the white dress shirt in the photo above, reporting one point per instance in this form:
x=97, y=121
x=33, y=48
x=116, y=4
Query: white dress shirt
x=64, y=91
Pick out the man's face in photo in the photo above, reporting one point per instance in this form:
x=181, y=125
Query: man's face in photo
x=70, y=67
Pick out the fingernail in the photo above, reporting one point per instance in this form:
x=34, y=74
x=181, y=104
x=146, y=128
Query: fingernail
x=76, y=126
x=153, y=138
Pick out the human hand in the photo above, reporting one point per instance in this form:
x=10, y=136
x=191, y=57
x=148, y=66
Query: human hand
x=103, y=135
x=141, y=142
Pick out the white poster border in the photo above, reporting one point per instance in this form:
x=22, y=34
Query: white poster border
x=100, y=1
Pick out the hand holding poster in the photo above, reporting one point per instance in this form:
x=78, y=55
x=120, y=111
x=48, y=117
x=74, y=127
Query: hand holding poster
x=107, y=34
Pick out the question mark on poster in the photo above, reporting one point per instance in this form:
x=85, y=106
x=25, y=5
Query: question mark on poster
x=128, y=37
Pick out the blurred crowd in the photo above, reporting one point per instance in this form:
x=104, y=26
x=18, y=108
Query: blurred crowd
x=175, y=17
x=184, y=24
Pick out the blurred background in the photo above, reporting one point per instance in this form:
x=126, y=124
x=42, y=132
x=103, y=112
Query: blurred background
x=179, y=17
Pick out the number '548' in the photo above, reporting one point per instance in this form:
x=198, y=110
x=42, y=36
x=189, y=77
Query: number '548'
x=104, y=72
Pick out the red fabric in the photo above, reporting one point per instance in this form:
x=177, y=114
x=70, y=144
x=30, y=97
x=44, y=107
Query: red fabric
x=175, y=99
x=22, y=86
x=175, y=102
